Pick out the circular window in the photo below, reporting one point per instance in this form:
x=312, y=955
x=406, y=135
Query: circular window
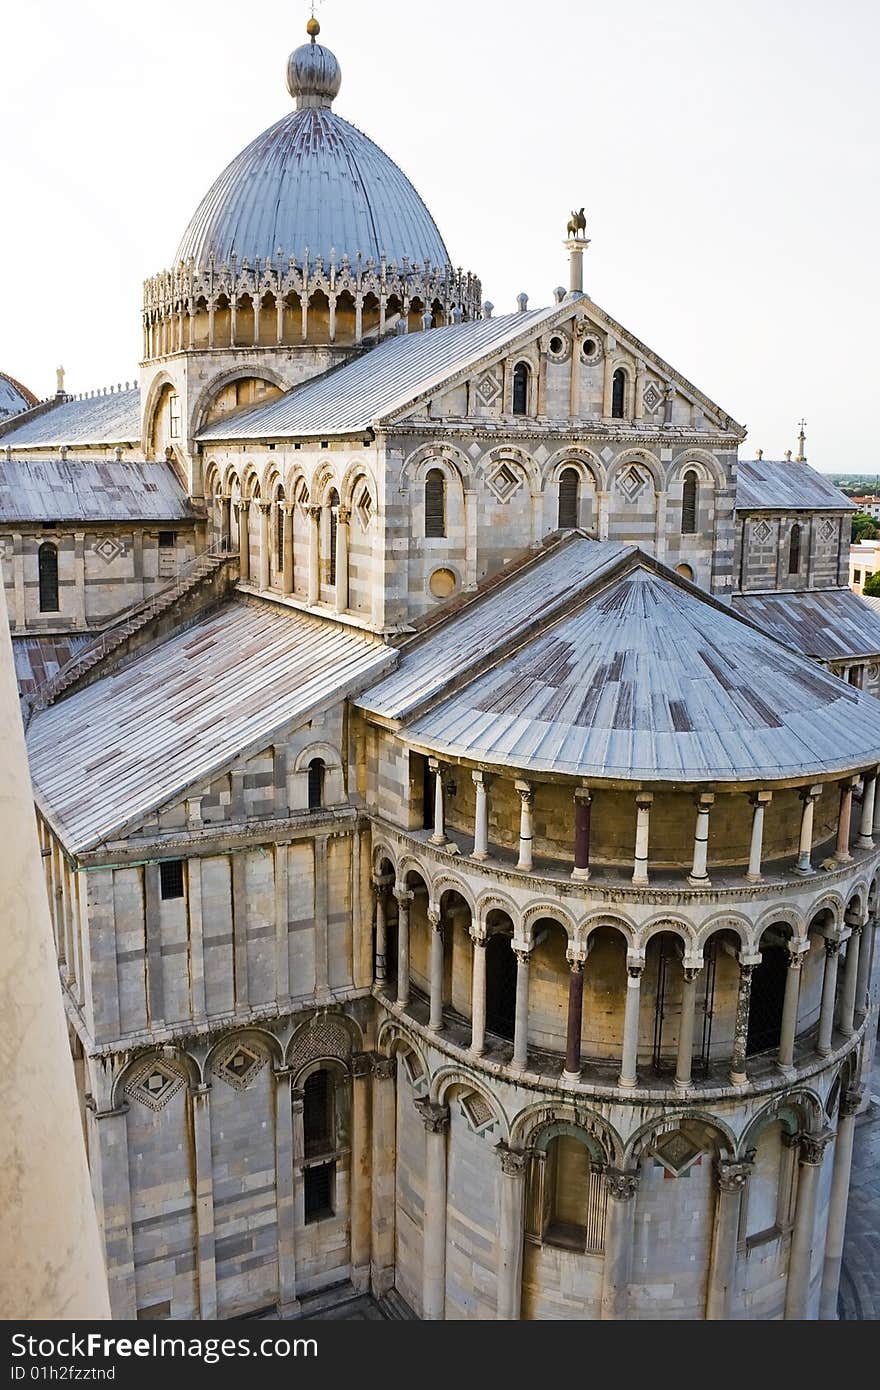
x=685, y=571
x=590, y=347
x=442, y=583
x=557, y=345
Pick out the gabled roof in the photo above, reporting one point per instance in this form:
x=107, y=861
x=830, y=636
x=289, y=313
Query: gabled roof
x=786, y=485
x=392, y=378
x=641, y=677
x=111, y=419
x=828, y=624
x=105, y=757
x=53, y=489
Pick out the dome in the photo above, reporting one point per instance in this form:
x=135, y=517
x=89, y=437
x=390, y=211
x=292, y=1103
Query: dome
x=14, y=398
x=312, y=181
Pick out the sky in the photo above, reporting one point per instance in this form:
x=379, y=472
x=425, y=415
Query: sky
x=726, y=155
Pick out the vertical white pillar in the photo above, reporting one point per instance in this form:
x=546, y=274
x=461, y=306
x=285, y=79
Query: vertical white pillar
x=384, y=1169
x=800, y=1257
x=619, y=1225
x=284, y=1193
x=314, y=592
x=438, y=836
x=862, y=979
x=760, y=801
x=850, y=977
x=404, y=898
x=698, y=877
x=481, y=817
x=265, y=553
x=361, y=1196
x=435, y=924
x=343, y=520
x=738, y=1073
x=285, y=521
x=244, y=540
x=805, y=848
x=844, y=820
x=629, y=1059
x=644, y=801
x=436, y=1121
x=478, y=996
x=837, y=1203
x=521, y=1015
x=526, y=796
x=829, y=990
x=731, y=1179
x=686, y=1027
x=510, y=1232
x=790, y=1000
x=381, y=964
x=866, y=821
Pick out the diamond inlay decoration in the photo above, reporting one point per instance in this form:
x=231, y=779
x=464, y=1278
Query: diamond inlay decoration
x=364, y=509
x=154, y=1084
x=632, y=483
x=488, y=389
x=323, y=1037
x=476, y=1111
x=761, y=532
x=504, y=482
x=652, y=397
x=108, y=549
x=239, y=1064
x=827, y=530
x=676, y=1152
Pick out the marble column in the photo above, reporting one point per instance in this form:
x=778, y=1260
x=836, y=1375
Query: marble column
x=343, y=522
x=698, y=876
x=575, y=1018
x=285, y=1203
x=381, y=965
x=850, y=979
x=286, y=522
x=644, y=801
x=844, y=819
x=527, y=797
x=361, y=1195
x=805, y=848
x=850, y=1102
x=404, y=898
x=510, y=1232
x=481, y=817
x=829, y=991
x=619, y=1225
x=521, y=1016
x=864, y=972
x=760, y=801
x=51, y=1260
x=800, y=1257
x=629, y=1060
x=263, y=578
x=738, y=1075
x=436, y=1122
x=478, y=996
x=200, y=1097
x=731, y=1178
x=435, y=924
x=244, y=541
x=582, y=809
x=866, y=821
x=384, y=1166
x=313, y=512
x=686, y=1027
x=790, y=1000
x=438, y=835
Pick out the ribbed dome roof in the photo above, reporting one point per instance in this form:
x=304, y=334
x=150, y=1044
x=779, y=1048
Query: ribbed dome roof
x=14, y=398
x=312, y=180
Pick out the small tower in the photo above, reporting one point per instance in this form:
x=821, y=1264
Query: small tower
x=576, y=245
x=801, y=456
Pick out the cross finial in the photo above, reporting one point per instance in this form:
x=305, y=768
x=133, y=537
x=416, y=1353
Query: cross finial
x=802, y=439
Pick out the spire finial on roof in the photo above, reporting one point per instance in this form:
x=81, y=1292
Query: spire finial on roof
x=313, y=72
x=802, y=439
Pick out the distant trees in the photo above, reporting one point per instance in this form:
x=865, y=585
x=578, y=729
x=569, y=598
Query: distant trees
x=864, y=527
x=871, y=587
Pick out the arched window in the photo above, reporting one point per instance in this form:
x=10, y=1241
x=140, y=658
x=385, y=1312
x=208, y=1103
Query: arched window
x=435, y=504
x=279, y=531
x=334, y=524
x=319, y=1137
x=568, y=499
x=618, y=394
x=521, y=376
x=47, y=562
x=566, y=1196
x=794, y=550
x=316, y=784
x=689, y=504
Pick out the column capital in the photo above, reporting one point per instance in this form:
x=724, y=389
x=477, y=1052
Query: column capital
x=478, y=936
x=583, y=795
x=404, y=896
x=831, y=948
x=434, y=764
x=747, y=961
x=526, y=792
x=523, y=953
x=576, y=958
x=644, y=800
x=635, y=971
x=761, y=798
x=434, y=918
x=381, y=884
x=262, y=505
x=813, y=1146
x=703, y=800
x=343, y=516
x=621, y=1185
x=732, y=1176
x=435, y=1117
x=384, y=1068
x=361, y=1064
x=480, y=779
x=796, y=958
x=810, y=793
x=851, y=1100
x=691, y=972
x=513, y=1161
x=313, y=510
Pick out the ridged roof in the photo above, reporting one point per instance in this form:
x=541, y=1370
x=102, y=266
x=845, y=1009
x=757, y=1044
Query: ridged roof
x=14, y=397
x=52, y=489
x=111, y=419
x=828, y=624
x=312, y=181
x=785, y=484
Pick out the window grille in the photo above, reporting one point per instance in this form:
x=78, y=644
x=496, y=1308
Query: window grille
x=435, y=504
x=171, y=878
x=521, y=376
x=568, y=499
x=47, y=563
x=689, y=505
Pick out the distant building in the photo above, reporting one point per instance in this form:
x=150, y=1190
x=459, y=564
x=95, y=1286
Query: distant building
x=864, y=560
x=869, y=504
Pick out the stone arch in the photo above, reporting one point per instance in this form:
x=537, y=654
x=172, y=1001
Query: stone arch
x=294, y=481
x=330, y=755
x=727, y=921
x=858, y=896
x=675, y=926
x=448, y=883
x=356, y=473
x=796, y=1110
x=246, y=372
x=383, y=849
x=549, y=909
x=271, y=481
x=392, y=1038
x=231, y=476
x=324, y=1037
x=616, y=922
x=408, y=865
x=213, y=479
x=493, y=901
x=787, y=916
x=638, y=456
x=250, y=482
x=509, y=453
x=701, y=462
x=443, y=1081
x=530, y=1122
x=324, y=481
x=160, y=383
x=455, y=464
x=168, y=1057
x=587, y=464
x=827, y=902
x=659, y=1125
